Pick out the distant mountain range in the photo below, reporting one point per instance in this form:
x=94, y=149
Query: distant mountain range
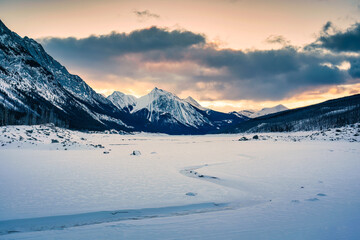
x=262, y=112
x=165, y=111
x=329, y=114
x=36, y=89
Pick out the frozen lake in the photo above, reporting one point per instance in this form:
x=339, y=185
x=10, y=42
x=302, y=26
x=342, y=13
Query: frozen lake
x=178, y=187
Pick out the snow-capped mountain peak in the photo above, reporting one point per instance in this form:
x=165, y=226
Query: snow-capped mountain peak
x=152, y=98
x=122, y=100
x=266, y=111
x=194, y=103
x=246, y=113
x=162, y=109
x=160, y=104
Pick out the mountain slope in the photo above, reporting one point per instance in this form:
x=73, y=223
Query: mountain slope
x=246, y=113
x=218, y=119
x=34, y=88
x=194, y=103
x=333, y=113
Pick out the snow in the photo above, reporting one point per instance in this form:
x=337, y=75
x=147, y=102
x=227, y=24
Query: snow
x=262, y=112
x=266, y=111
x=102, y=117
x=246, y=113
x=301, y=185
x=194, y=103
x=121, y=100
x=159, y=102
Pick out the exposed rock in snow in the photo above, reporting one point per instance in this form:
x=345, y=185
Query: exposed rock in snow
x=136, y=153
x=243, y=139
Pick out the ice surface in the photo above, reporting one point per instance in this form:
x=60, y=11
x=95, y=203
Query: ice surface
x=282, y=186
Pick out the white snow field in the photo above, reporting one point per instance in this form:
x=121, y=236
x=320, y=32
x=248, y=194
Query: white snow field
x=61, y=184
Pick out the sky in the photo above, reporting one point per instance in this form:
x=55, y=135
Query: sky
x=228, y=54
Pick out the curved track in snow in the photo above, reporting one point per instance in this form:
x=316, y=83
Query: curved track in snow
x=67, y=221
x=253, y=190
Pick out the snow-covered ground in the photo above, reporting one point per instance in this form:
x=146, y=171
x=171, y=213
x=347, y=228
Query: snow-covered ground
x=61, y=184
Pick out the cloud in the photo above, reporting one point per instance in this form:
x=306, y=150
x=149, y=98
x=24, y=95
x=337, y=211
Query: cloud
x=144, y=15
x=277, y=39
x=185, y=61
x=328, y=25
x=339, y=41
x=270, y=74
x=354, y=71
x=106, y=47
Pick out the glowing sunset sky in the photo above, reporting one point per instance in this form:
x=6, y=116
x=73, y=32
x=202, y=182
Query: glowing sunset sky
x=229, y=55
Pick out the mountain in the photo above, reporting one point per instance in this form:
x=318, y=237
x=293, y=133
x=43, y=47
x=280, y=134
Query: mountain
x=218, y=119
x=262, y=112
x=266, y=111
x=246, y=113
x=35, y=89
x=330, y=114
x=194, y=103
x=123, y=101
x=159, y=103
x=162, y=111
